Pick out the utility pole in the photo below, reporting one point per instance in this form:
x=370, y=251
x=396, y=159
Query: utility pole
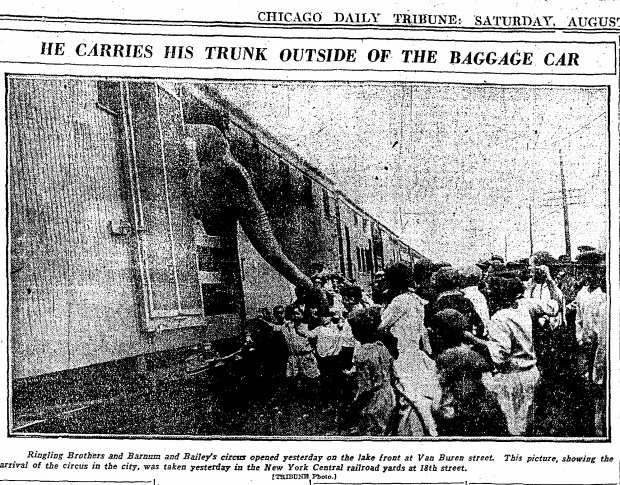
x=531, y=233
x=565, y=207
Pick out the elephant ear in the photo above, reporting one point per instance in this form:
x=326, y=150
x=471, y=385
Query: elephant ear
x=211, y=144
x=208, y=148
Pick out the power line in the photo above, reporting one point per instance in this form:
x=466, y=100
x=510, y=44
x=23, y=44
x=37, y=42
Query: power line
x=579, y=129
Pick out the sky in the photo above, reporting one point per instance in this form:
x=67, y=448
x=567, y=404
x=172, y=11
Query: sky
x=452, y=168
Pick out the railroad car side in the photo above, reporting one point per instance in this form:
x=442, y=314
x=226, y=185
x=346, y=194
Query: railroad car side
x=77, y=295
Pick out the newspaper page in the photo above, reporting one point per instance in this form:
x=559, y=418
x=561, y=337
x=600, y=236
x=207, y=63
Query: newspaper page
x=325, y=244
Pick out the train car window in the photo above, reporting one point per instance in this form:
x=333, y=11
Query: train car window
x=285, y=179
x=326, y=204
x=347, y=238
x=365, y=224
x=368, y=255
x=340, y=240
x=355, y=219
x=362, y=268
x=308, y=196
x=377, y=247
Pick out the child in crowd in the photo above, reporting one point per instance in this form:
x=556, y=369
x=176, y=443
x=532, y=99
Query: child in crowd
x=301, y=359
x=374, y=401
x=328, y=346
x=468, y=408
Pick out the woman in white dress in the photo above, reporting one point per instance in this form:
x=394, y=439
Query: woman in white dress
x=417, y=381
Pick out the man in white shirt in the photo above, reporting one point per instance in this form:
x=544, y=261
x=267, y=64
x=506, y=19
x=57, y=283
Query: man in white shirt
x=511, y=348
x=591, y=335
x=539, y=287
x=472, y=275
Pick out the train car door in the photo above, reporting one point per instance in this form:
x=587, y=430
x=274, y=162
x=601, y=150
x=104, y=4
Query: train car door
x=176, y=257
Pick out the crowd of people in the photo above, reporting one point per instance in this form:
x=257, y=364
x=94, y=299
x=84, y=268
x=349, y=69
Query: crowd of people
x=438, y=350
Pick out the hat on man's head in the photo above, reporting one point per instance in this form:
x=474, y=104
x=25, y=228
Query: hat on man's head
x=211, y=144
x=462, y=360
x=450, y=320
x=449, y=326
x=471, y=274
x=543, y=257
x=507, y=289
x=423, y=268
x=591, y=257
x=445, y=279
x=399, y=276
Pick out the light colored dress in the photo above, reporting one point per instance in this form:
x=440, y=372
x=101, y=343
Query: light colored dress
x=415, y=371
x=301, y=359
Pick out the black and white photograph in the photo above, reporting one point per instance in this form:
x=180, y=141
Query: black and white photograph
x=307, y=259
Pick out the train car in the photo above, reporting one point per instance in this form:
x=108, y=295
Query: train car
x=107, y=267
x=111, y=276
x=357, y=242
x=301, y=202
x=315, y=222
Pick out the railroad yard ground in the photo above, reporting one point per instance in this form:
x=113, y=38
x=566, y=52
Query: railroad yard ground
x=242, y=398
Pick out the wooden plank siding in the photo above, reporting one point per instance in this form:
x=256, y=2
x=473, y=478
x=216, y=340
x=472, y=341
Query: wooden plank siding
x=73, y=291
